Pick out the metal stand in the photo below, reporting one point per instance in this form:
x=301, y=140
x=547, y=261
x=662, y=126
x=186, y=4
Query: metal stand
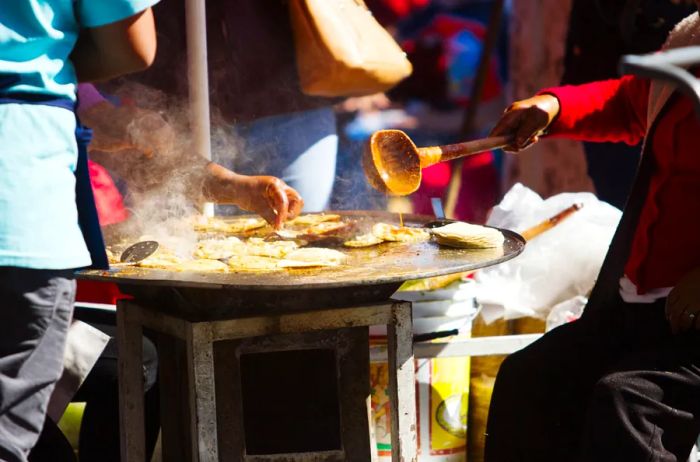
x=210, y=352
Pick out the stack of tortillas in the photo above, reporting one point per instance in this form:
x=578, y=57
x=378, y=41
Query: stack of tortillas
x=467, y=236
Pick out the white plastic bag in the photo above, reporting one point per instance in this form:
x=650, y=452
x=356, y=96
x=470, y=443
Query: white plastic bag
x=566, y=311
x=555, y=266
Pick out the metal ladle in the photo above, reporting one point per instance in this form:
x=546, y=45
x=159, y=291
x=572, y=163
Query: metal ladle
x=393, y=164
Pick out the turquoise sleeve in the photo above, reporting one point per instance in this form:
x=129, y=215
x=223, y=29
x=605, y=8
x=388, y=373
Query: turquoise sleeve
x=96, y=13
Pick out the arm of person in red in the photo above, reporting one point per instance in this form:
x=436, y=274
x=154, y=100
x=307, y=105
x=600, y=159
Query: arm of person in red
x=604, y=111
x=610, y=110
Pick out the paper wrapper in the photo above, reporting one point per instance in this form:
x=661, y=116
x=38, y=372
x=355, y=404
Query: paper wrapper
x=84, y=345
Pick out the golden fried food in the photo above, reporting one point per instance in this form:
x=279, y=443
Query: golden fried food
x=218, y=248
x=364, y=240
x=327, y=227
x=232, y=226
x=162, y=258
x=259, y=247
x=395, y=233
x=313, y=256
x=468, y=236
x=201, y=265
x=111, y=257
x=253, y=263
x=312, y=219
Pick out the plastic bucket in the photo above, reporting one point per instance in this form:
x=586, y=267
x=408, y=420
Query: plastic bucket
x=442, y=384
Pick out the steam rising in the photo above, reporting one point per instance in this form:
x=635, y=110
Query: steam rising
x=162, y=197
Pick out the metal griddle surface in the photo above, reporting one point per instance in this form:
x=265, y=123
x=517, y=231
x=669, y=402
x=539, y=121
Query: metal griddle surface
x=383, y=264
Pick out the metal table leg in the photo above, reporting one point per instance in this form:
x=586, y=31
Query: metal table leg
x=402, y=388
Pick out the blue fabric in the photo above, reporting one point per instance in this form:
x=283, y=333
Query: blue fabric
x=298, y=147
x=95, y=13
x=38, y=215
x=84, y=200
x=37, y=36
x=88, y=220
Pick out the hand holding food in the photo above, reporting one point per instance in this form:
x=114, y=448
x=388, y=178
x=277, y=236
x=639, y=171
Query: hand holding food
x=268, y=196
x=683, y=304
x=525, y=120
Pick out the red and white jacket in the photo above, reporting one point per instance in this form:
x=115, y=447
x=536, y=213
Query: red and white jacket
x=629, y=109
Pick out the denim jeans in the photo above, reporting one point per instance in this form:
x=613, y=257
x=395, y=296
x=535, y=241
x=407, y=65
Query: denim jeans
x=299, y=147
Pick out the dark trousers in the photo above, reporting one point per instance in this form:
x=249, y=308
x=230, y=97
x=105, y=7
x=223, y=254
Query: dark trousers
x=35, y=310
x=613, y=386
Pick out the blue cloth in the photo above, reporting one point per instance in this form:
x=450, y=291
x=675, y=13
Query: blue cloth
x=299, y=147
x=37, y=36
x=38, y=151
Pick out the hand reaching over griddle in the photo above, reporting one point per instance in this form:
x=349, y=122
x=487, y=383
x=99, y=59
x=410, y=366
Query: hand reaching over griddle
x=268, y=196
x=526, y=120
x=271, y=198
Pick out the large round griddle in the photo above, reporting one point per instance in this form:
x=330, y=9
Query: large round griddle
x=371, y=274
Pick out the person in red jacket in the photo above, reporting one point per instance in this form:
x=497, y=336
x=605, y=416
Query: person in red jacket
x=623, y=382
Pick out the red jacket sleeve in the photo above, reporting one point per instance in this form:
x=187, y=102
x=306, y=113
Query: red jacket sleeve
x=609, y=110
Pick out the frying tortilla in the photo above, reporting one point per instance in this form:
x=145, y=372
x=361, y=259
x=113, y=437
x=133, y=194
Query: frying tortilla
x=313, y=256
x=364, y=240
x=256, y=246
x=327, y=227
x=201, y=265
x=217, y=248
x=468, y=236
x=253, y=263
x=233, y=226
x=312, y=219
x=111, y=257
x=161, y=259
x=395, y=233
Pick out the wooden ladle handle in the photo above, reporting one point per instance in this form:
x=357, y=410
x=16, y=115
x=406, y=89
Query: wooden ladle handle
x=434, y=154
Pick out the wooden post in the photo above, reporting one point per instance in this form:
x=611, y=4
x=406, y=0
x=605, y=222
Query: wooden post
x=130, y=369
x=402, y=385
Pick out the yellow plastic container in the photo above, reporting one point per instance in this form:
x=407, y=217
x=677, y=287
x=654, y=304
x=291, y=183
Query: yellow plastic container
x=442, y=386
x=70, y=423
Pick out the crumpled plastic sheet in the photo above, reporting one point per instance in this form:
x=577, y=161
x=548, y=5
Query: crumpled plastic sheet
x=558, y=265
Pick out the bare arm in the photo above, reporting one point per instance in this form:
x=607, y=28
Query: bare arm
x=119, y=48
x=203, y=180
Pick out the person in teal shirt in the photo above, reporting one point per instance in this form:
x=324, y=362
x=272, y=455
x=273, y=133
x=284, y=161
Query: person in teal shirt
x=45, y=47
x=48, y=224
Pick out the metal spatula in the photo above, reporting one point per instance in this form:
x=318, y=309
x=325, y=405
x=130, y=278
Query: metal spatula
x=439, y=213
x=137, y=252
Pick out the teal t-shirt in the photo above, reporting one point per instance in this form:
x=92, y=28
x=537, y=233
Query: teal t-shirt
x=38, y=153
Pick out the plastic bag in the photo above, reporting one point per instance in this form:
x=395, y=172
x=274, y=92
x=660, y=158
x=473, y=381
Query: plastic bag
x=555, y=266
x=565, y=312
